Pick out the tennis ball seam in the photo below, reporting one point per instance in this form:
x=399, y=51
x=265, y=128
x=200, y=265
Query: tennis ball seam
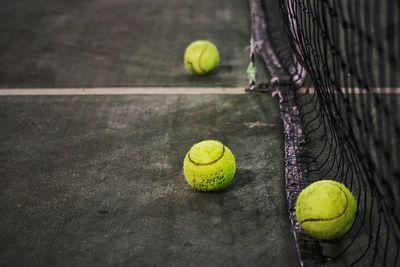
x=208, y=163
x=332, y=218
x=209, y=166
x=201, y=55
x=191, y=66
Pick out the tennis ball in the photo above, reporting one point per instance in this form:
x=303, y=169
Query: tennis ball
x=201, y=57
x=209, y=166
x=326, y=210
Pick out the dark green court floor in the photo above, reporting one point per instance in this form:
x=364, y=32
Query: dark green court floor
x=102, y=43
x=97, y=180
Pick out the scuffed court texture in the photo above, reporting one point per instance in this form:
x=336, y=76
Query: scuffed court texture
x=104, y=43
x=96, y=180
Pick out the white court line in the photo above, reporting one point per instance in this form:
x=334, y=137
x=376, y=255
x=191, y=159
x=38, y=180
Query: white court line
x=124, y=91
x=162, y=91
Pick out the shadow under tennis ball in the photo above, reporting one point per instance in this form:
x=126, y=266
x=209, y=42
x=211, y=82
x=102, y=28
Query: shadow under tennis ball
x=225, y=68
x=243, y=177
x=222, y=69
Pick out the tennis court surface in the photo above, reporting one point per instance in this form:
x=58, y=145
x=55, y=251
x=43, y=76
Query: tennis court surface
x=97, y=114
x=97, y=179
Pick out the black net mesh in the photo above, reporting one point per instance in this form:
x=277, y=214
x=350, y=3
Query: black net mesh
x=348, y=110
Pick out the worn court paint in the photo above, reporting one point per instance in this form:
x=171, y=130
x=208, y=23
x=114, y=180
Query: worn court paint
x=97, y=180
x=124, y=91
x=166, y=91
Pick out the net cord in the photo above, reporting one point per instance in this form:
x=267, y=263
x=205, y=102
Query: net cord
x=308, y=249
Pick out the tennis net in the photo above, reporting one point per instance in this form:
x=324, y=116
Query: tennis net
x=340, y=104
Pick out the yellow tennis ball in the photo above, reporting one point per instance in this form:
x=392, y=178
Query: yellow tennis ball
x=209, y=166
x=326, y=210
x=201, y=57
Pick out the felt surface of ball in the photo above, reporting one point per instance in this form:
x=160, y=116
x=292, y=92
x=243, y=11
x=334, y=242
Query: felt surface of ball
x=209, y=166
x=326, y=210
x=201, y=57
